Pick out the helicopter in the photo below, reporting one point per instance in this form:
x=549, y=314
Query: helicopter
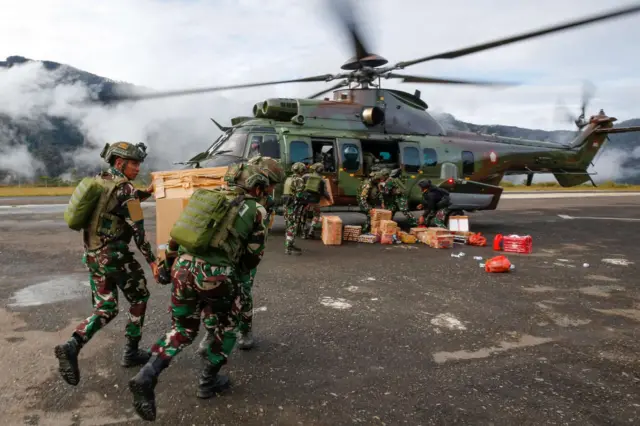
x=364, y=127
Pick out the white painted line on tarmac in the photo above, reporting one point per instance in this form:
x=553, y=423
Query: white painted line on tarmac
x=538, y=195
x=622, y=219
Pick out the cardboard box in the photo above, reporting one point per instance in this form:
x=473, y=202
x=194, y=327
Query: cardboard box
x=417, y=231
x=388, y=227
x=172, y=190
x=380, y=214
x=442, y=241
x=351, y=232
x=368, y=238
x=459, y=223
x=331, y=230
x=323, y=201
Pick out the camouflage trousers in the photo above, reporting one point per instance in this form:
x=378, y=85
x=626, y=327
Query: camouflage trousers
x=315, y=219
x=291, y=222
x=367, y=223
x=400, y=203
x=201, y=290
x=111, y=268
x=246, y=313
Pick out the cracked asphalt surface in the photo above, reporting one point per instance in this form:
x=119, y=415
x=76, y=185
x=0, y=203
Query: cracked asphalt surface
x=357, y=334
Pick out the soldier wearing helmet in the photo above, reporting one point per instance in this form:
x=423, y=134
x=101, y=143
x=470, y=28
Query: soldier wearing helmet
x=293, y=204
x=314, y=190
x=116, y=219
x=272, y=169
x=434, y=199
x=209, y=284
x=369, y=197
x=394, y=195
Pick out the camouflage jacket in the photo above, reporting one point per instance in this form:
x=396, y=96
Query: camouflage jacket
x=124, y=193
x=368, y=195
x=391, y=188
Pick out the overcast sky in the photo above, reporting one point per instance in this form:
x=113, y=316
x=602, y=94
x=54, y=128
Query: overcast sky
x=167, y=44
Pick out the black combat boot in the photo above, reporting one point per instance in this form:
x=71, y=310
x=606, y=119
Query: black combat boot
x=245, y=341
x=67, y=355
x=133, y=356
x=142, y=387
x=293, y=250
x=211, y=382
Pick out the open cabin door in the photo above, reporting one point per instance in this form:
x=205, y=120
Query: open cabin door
x=350, y=173
x=411, y=165
x=325, y=152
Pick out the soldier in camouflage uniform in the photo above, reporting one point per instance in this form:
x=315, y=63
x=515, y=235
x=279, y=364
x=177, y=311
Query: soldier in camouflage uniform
x=213, y=282
x=110, y=262
x=394, y=197
x=369, y=197
x=276, y=175
x=294, y=205
x=312, y=197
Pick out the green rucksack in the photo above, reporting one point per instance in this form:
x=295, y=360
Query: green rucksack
x=313, y=183
x=82, y=203
x=206, y=219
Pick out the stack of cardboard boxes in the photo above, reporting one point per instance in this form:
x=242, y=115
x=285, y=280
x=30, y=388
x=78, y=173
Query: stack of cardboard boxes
x=434, y=237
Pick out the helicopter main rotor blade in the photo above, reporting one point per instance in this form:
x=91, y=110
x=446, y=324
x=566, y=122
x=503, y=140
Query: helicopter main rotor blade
x=110, y=98
x=548, y=30
x=334, y=87
x=418, y=79
x=343, y=9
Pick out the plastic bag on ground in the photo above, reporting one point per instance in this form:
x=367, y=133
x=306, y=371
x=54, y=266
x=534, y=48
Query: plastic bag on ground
x=497, y=264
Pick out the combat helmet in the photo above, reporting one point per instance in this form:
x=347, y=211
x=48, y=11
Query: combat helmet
x=298, y=167
x=270, y=167
x=384, y=173
x=246, y=176
x=424, y=184
x=317, y=167
x=126, y=150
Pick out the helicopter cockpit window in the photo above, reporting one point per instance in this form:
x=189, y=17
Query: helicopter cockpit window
x=350, y=157
x=411, y=159
x=270, y=146
x=430, y=157
x=229, y=147
x=299, y=152
x=468, y=163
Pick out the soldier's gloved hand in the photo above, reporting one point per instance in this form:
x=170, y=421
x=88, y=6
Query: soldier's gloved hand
x=164, y=275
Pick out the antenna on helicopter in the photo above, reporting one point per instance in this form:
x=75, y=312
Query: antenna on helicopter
x=222, y=128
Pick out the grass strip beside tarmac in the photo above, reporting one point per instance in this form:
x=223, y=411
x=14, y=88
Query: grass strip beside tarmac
x=38, y=191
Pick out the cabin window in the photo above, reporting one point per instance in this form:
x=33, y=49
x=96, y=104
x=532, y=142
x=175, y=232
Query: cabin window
x=429, y=157
x=467, y=163
x=350, y=157
x=299, y=152
x=411, y=159
x=270, y=146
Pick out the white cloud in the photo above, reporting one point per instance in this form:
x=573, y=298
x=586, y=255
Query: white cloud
x=170, y=44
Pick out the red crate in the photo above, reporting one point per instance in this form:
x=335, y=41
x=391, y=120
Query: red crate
x=517, y=244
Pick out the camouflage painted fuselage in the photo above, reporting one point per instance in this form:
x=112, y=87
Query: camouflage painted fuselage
x=395, y=128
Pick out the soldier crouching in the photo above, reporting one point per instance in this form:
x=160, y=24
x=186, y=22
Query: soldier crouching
x=208, y=282
x=116, y=218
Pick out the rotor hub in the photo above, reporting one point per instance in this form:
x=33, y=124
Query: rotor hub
x=371, y=61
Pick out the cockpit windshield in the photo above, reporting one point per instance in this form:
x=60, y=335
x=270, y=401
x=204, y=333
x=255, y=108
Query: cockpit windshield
x=227, y=149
